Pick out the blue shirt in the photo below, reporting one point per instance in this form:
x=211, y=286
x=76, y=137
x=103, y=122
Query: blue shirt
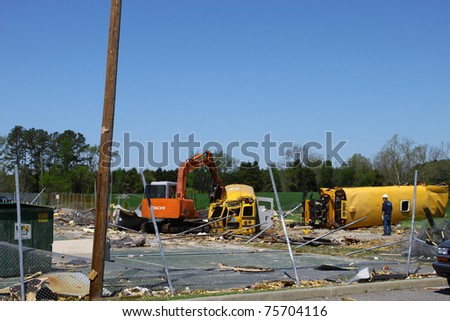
x=387, y=208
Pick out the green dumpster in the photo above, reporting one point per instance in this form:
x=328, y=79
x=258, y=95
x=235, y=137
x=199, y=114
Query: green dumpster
x=37, y=239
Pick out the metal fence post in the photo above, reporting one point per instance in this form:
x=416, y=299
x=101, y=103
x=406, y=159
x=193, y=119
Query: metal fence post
x=158, y=238
x=288, y=242
x=411, y=234
x=19, y=234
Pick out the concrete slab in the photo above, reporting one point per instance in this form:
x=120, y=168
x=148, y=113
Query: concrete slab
x=80, y=247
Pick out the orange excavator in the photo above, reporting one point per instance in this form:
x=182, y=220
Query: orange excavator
x=173, y=211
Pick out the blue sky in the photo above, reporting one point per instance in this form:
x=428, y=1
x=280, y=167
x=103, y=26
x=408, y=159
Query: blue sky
x=232, y=71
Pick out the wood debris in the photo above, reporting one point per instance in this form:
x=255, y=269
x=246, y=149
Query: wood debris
x=272, y=285
x=250, y=269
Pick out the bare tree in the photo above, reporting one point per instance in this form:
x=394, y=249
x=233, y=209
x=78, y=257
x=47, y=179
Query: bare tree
x=446, y=149
x=397, y=159
x=302, y=155
x=2, y=151
x=435, y=153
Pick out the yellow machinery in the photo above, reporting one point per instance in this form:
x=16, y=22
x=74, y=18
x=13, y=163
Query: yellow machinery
x=341, y=206
x=237, y=211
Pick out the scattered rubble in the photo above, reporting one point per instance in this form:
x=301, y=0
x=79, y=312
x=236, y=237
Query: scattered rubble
x=68, y=224
x=58, y=286
x=128, y=241
x=73, y=224
x=65, y=216
x=261, y=286
x=136, y=291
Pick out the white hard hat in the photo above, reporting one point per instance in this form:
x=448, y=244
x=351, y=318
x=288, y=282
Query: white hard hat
x=385, y=195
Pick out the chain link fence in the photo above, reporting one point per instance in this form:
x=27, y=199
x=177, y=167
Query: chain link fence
x=207, y=264
x=69, y=200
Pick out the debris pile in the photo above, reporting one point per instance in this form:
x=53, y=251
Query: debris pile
x=136, y=291
x=427, y=240
x=127, y=241
x=65, y=216
x=436, y=233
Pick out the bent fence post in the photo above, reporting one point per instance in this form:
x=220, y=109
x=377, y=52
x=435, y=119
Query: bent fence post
x=158, y=238
x=19, y=234
x=297, y=281
x=412, y=224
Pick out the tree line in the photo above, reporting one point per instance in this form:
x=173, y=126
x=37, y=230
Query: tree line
x=65, y=162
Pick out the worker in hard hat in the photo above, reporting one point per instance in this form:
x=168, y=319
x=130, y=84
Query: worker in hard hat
x=386, y=214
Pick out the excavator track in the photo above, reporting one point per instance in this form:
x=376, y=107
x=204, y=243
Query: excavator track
x=176, y=226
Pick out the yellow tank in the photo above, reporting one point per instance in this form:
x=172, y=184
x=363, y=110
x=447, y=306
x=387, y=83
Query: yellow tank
x=341, y=206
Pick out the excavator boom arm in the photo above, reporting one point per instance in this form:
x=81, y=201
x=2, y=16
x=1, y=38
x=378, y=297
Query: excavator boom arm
x=197, y=161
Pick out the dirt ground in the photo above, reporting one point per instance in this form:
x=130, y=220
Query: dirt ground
x=72, y=224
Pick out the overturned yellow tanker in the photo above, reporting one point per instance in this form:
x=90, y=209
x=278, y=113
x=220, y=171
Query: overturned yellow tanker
x=341, y=206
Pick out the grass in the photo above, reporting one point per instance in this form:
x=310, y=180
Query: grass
x=288, y=200
x=132, y=202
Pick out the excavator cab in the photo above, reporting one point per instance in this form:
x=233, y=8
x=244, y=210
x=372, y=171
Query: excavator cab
x=162, y=189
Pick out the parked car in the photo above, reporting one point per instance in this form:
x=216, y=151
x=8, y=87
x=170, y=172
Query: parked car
x=442, y=263
x=4, y=199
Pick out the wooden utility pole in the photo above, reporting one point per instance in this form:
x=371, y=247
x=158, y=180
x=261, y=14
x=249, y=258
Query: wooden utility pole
x=102, y=205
